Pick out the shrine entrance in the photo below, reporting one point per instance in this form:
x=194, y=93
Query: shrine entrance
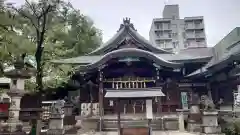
x=125, y=106
x=121, y=96
x=130, y=106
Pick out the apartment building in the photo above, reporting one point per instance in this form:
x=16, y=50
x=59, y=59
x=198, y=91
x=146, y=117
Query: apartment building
x=173, y=33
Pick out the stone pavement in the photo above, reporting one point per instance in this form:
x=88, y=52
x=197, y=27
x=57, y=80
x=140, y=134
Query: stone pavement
x=154, y=133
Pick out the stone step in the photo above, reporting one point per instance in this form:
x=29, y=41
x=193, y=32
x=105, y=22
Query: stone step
x=112, y=124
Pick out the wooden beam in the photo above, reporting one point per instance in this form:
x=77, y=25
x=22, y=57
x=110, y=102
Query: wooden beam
x=100, y=99
x=149, y=113
x=119, y=117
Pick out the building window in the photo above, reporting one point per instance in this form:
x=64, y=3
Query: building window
x=174, y=26
x=186, y=44
x=157, y=25
x=161, y=33
x=161, y=25
x=197, y=35
x=184, y=34
x=169, y=35
x=198, y=41
x=197, y=23
x=174, y=17
x=175, y=44
x=174, y=34
x=158, y=34
x=160, y=43
x=186, y=25
x=169, y=25
x=198, y=31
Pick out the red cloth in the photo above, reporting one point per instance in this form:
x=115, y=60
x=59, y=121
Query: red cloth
x=4, y=108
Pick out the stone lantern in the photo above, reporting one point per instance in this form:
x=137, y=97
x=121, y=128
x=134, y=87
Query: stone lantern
x=16, y=91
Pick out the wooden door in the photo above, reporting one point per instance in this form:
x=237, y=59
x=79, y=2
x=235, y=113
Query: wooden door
x=135, y=131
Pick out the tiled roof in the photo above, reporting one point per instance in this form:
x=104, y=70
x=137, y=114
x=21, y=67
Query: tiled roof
x=5, y=80
x=126, y=29
x=131, y=52
x=184, y=55
x=214, y=65
x=112, y=40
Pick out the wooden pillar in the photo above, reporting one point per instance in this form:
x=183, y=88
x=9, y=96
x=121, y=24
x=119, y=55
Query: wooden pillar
x=209, y=91
x=149, y=126
x=181, y=125
x=100, y=99
x=149, y=114
x=159, y=106
x=118, y=118
x=39, y=127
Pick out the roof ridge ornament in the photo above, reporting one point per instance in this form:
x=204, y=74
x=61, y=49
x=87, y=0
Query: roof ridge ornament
x=126, y=21
x=127, y=24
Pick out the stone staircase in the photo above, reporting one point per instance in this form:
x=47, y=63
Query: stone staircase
x=111, y=125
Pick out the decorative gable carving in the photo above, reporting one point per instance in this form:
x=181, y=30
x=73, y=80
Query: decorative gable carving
x=128, y=42
x=127, y=37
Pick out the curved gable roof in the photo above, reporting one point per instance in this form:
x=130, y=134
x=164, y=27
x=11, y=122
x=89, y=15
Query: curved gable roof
x=131, y=52
x=127, y=29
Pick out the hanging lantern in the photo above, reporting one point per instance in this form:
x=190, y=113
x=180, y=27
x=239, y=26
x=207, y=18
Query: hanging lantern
x=156, y=99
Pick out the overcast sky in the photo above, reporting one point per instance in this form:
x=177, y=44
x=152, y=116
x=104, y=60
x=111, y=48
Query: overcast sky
x=221, y=16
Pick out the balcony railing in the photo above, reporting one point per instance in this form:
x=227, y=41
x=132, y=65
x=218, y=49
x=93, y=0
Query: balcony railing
x=164, y=37
x=193, y=45
x=190, y=36
x=165, y=28
x=195, y=36
x=194, y=26
x=199, y=35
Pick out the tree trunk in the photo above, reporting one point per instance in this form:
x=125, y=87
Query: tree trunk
x=91, y=101
x=39, y=75
x=1, y=69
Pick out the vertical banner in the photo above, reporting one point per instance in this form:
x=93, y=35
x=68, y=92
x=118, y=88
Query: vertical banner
x=149, y=112
x=184, y=99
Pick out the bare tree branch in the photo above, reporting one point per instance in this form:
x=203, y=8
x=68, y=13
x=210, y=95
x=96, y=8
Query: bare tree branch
x=45, y=11
x=44, y=23
x=32, y=8
x=25, y=16
x=5, y=27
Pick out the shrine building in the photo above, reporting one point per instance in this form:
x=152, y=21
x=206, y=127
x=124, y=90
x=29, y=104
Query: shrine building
x=130, y=68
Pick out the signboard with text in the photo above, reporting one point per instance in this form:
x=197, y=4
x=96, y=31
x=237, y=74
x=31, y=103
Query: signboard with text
x=184, y=100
